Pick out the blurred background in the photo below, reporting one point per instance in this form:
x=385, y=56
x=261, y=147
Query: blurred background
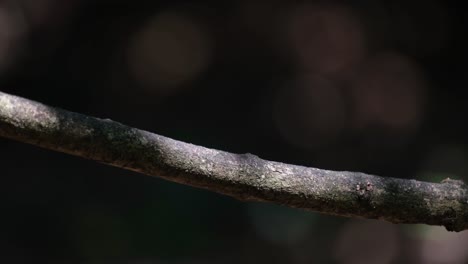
x=369, y=85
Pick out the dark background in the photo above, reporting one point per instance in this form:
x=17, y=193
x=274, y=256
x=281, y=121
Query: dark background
x=371, y=86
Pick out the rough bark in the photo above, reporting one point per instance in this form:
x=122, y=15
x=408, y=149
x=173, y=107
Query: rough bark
x=242, y=176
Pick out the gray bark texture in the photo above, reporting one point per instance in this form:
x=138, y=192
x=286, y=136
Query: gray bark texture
x=242, y=176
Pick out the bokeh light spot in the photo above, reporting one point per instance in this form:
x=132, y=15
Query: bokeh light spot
x=389, y=91
x=12, y=28
x=367, y=241
x=439, y=246
x=170, y=50
x=326, y=38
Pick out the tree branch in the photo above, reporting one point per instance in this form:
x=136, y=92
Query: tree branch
x=242, y=176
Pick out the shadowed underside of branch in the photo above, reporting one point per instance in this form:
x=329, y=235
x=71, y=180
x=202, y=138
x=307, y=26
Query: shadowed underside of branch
x=242, y=176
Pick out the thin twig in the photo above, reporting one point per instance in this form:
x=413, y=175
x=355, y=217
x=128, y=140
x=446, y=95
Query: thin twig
x=242, y=176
